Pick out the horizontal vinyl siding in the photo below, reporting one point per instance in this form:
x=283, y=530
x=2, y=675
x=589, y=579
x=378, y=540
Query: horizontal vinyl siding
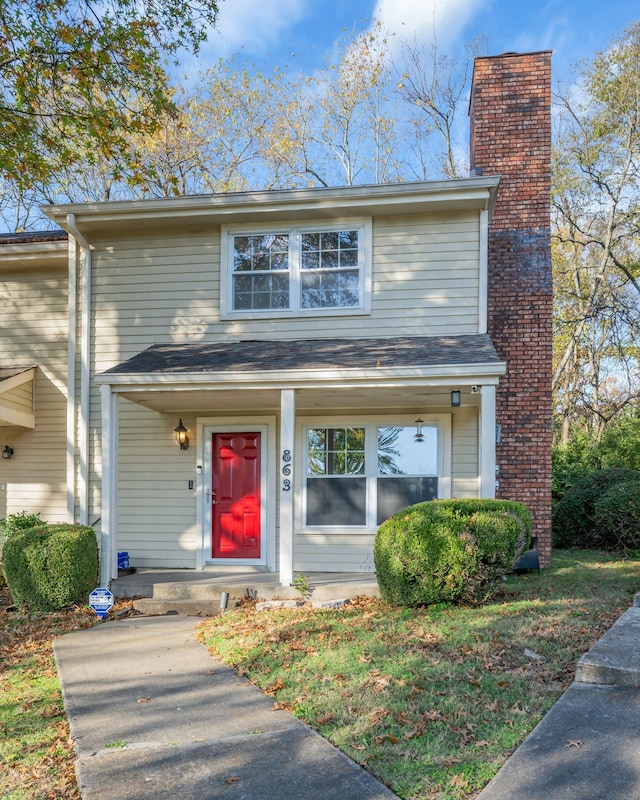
x=465, y=458
x=326, y=553
x=424, y=278
x=156, y=509
x=20, y=398
x=33, y=321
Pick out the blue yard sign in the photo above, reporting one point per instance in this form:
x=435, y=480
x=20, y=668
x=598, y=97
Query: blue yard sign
x=101, y=600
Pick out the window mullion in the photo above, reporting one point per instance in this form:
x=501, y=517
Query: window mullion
x=295, y=249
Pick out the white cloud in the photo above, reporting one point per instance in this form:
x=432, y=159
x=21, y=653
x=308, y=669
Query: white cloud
x=427, y=21
x=253, y=25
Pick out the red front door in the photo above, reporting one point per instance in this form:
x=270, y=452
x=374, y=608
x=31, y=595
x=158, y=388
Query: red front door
x=236, y=495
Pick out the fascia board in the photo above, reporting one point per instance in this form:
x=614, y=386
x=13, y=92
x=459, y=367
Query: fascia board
x=477, y=193
x=463, y=375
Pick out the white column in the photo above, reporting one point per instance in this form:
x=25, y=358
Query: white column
x=488, y=442
x=287, y=482
x=109, y=528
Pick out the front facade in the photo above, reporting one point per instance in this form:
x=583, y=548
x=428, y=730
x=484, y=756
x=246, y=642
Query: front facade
x=324, y=355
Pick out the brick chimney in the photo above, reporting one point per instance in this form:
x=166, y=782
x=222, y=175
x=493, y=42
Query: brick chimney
x=510, y=115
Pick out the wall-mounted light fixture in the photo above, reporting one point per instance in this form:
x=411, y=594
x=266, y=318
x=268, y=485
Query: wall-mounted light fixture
x=419, y=437
x=456, y=396
x=7, y=452
x=181, y=436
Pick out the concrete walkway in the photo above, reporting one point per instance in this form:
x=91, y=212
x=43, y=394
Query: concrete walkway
x=195, y=731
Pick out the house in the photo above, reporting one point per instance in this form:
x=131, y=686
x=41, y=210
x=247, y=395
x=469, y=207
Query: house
x=261, y=378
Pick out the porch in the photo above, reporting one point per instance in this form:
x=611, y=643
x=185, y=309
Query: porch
x=185, y=591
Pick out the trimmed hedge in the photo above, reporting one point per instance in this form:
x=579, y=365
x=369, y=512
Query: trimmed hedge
x=49, y=567
x=617, y=516
x=449, y=550
x=574, y=523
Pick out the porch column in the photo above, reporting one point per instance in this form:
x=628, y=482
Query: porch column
x=108, y=544
x=286, y=480
x=488, y=441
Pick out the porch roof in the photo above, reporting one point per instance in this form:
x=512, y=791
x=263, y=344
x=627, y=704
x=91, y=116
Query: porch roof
x=355, y=373
x=310, y=355
x=16, y=396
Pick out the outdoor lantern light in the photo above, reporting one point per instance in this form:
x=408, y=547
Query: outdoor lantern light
x=181, y=436
x=455, y=398
x=419, y=437
x=7, y=452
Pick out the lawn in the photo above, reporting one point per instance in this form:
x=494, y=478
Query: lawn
x=431, y=701
x=36, y=752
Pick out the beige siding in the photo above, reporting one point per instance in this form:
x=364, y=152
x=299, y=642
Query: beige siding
x=33, y=320
x=424, y=277
x=337, y=553
x=465, y=457
x=425, y=281
x=157, y=510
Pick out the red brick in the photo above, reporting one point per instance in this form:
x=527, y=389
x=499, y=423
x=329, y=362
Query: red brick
x=510, y=114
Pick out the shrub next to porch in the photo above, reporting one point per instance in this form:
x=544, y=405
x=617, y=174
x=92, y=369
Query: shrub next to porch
x=449, y=550
x=49, y=567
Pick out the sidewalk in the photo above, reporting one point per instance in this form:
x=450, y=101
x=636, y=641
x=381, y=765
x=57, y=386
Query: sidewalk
x=195, y=731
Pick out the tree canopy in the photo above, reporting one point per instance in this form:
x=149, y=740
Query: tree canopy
x=78, y=76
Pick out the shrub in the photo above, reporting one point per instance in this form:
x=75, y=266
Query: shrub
x=574, y=516
x=49, y=567
x=617, y=516
x=18, y=522
x=449, y=550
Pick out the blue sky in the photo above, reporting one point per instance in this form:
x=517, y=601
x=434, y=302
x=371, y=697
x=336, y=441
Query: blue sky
x=273, y=31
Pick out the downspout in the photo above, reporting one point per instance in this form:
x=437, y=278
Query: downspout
x=72, y=287
x=85, y=341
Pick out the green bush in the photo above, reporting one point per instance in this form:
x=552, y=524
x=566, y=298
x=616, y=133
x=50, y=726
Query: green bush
x=49, y=567
x=18, y=522
x=617, y=516
x=574, y=516
x=449, y=550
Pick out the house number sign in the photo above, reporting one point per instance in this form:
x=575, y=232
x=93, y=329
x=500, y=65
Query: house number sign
x=286, y=470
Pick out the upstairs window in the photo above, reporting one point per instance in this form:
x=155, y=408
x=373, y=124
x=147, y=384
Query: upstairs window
x=297, y=270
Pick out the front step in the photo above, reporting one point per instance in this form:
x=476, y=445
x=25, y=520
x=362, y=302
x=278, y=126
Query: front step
x=187, y=608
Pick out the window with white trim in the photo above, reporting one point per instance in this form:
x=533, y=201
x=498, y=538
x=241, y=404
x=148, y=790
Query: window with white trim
x=358, y=476
x=301, y=270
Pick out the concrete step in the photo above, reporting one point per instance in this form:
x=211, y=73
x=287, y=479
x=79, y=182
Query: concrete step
x=191, y=608
x=211, y=592
x=614, y=660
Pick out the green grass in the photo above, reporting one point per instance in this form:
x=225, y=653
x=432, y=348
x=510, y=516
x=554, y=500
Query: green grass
x=431, y=701
x=36, y=752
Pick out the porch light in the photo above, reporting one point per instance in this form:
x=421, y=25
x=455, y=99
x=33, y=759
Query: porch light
x=419, y=437
x=181, y=436
x=7, y=452
x=455, y=398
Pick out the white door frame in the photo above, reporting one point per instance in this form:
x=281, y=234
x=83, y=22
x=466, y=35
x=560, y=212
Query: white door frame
x=206, y=427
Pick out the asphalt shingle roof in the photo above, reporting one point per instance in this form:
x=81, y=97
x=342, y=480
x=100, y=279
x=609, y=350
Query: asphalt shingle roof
x=310, y=354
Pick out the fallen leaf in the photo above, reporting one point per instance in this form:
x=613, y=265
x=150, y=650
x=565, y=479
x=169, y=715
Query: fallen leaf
x=143, y=700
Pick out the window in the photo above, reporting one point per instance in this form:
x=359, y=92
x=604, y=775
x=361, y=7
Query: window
x=360, y=476
x=299, y=270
